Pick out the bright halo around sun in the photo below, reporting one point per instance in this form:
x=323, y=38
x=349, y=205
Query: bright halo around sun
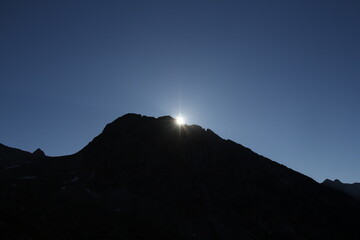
x=180, y=120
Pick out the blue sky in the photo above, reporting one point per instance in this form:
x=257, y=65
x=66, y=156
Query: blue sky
x=280, y=77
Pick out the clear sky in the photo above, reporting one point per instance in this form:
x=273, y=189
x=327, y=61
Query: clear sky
x=280, y=77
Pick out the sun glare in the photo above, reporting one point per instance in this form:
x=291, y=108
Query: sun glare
x=180, y=120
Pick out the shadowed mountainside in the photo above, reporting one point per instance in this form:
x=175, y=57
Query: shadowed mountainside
x=148, y=178
x=353, y=189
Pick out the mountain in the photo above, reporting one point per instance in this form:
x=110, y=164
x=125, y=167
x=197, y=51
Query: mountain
x=149, y=178
x=351, y=189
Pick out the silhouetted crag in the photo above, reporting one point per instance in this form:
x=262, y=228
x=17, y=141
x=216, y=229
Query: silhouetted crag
x=147, y=178
x=39, y=153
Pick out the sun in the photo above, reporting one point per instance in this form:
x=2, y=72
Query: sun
x=180, y=120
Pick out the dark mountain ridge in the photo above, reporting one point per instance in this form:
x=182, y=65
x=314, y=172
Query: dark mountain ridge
x=148, y=178
x=353, y=189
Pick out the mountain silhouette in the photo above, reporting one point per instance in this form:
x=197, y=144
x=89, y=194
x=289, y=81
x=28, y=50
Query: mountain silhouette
x=149, y=178
x=351, y=189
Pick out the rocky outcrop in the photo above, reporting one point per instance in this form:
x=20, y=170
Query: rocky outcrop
x=39, y=153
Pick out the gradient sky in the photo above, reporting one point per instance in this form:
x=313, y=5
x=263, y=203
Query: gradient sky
x=280, y=77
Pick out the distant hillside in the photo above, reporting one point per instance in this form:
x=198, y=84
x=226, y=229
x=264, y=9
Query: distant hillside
x=149, y=178
x=351, y=189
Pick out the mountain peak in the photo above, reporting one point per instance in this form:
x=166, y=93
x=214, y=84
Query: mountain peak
x=172, y=182
x=337, y=181
x=351, y=189
x=39, y=153
x=159, y=132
